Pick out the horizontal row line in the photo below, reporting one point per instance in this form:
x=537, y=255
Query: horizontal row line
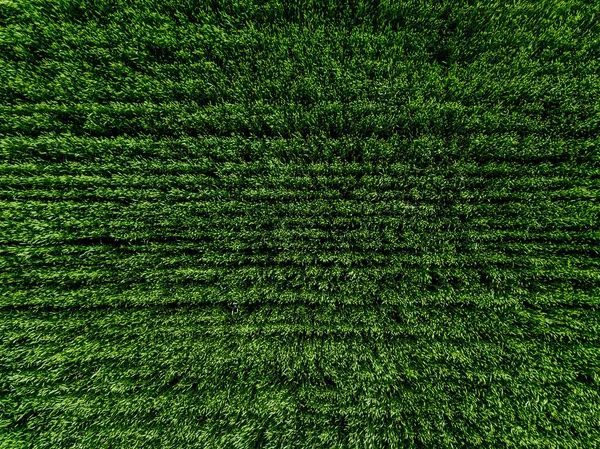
x=474, y=149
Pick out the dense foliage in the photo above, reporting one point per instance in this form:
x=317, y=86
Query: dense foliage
x=318, y=224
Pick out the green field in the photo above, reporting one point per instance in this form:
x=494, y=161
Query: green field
x=240, y=224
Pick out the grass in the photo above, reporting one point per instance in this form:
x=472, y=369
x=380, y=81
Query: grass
x=320, y=224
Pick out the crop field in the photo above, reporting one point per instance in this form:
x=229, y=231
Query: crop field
x=240, y=224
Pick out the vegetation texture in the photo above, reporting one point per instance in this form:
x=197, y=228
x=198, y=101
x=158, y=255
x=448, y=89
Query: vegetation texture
x=320, y=224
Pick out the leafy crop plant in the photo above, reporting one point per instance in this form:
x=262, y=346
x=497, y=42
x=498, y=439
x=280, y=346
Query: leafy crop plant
x=274, y=224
